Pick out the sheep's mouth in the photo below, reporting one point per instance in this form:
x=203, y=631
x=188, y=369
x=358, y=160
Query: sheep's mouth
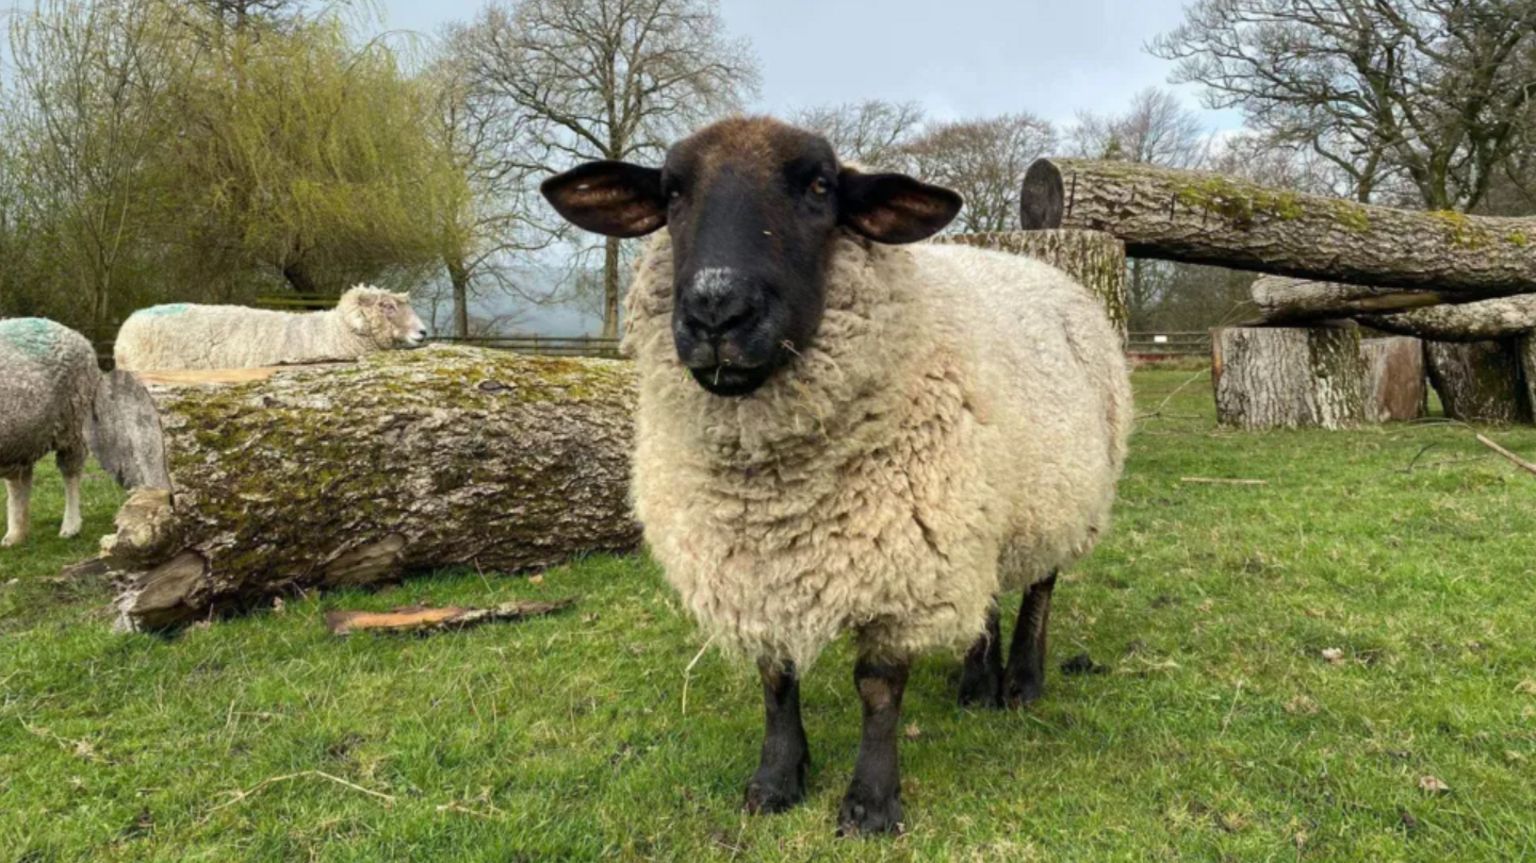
x=732, y=381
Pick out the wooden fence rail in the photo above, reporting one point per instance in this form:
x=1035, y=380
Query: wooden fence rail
x=1168, y=344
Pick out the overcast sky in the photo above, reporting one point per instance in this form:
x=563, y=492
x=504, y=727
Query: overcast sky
x=959, y=58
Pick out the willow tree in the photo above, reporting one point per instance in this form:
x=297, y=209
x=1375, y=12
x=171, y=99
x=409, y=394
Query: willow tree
x=89, y=112
x=307, y=159
x=605, y=79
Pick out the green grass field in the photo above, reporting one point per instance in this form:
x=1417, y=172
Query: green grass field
x=1220, y=731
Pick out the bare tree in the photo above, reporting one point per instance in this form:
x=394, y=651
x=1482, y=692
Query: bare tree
x=985, y=161
x=605, y=79
x=1433, y=91
x=494, y=214
x=872, y=133
x=1155, y=129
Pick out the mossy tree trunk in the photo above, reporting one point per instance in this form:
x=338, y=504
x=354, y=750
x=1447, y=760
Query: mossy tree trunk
x=1395, y=388
x=1480, y=381
x=312, y=477
x=1093, y=258
x=1204, y=218
x=1270, y=377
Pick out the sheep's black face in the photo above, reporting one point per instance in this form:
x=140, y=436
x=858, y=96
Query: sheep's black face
x=753, y=208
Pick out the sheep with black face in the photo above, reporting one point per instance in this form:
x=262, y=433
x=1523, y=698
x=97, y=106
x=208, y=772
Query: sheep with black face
x=838, y=431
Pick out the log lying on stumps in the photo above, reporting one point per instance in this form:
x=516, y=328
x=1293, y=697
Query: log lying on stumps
x=1285, y=301
x=1288, y=377
x=1395, y=386
x=1485, y=320
x=1479, y=381
x=1203, y=218
x=1094, y=258
x=350, y=474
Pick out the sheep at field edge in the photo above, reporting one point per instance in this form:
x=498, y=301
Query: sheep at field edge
x=836, y=432
x=48, y=379
x=186, y=336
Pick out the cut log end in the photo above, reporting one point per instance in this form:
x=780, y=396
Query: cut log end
x=1042, y=200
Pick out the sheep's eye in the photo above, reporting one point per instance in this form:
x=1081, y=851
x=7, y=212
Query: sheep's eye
x=820, y=187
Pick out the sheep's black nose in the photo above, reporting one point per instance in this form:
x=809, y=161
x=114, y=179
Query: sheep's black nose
x=717, y=310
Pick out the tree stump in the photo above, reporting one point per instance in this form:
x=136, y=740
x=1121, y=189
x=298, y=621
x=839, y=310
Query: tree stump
x=1395, y=383
x=261, y=482
x=1093, y=258
x=1480, y=381
x=1288, y=377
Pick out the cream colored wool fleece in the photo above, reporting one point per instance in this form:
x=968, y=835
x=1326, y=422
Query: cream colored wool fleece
x=189, y=336
x=48, y=379
x=956, y=429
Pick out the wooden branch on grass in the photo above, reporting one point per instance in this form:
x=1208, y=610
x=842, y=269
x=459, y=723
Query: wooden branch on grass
x=1517, y=460
x=421, y=619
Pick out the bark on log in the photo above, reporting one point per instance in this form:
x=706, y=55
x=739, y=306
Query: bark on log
x=1093, y=258
x=1270, y=377
x=1285, y=301
x=1480, y=381
x=1395, y=384
x=1526, y=348
x=347, y=474
x=1206, y=218
x=1486, y=320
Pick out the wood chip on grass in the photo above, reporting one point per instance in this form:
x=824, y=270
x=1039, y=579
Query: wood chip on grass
x=422, y=619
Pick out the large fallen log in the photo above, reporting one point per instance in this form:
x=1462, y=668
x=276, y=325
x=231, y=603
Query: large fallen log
x=1214, y=219
x=1485, y=320
x=1479, y=381
x=1273, y=377
x=267, y=481
x=1094, y=258
x=1395, y=386
x=1284, y=301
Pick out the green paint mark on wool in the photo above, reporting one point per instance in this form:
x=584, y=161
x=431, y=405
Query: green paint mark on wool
x=166, y=311
x=34, y=337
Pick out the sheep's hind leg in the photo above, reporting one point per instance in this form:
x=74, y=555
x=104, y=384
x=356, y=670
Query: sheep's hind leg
x=981, y=679
x=18, y=491
x=72, y=466
x=873, y=801
x=779, y=782
x=1024, y=680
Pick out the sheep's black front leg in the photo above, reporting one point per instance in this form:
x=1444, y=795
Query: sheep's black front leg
x=1024, y=680
x=981, y=680
x=779, y=782
x=873, y=801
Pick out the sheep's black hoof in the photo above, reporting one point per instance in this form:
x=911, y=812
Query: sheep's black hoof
x=773, y=791
x=770, y=797
x=865, y=813
x=980, y=688
x=1022, y=693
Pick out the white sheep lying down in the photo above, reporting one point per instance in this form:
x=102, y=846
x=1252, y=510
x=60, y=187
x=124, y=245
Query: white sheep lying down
x=48, y=379
x=187, y=336
x=841, y=432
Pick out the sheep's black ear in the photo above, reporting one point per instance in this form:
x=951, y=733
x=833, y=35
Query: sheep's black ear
x=615, y=199
x=894, y=208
